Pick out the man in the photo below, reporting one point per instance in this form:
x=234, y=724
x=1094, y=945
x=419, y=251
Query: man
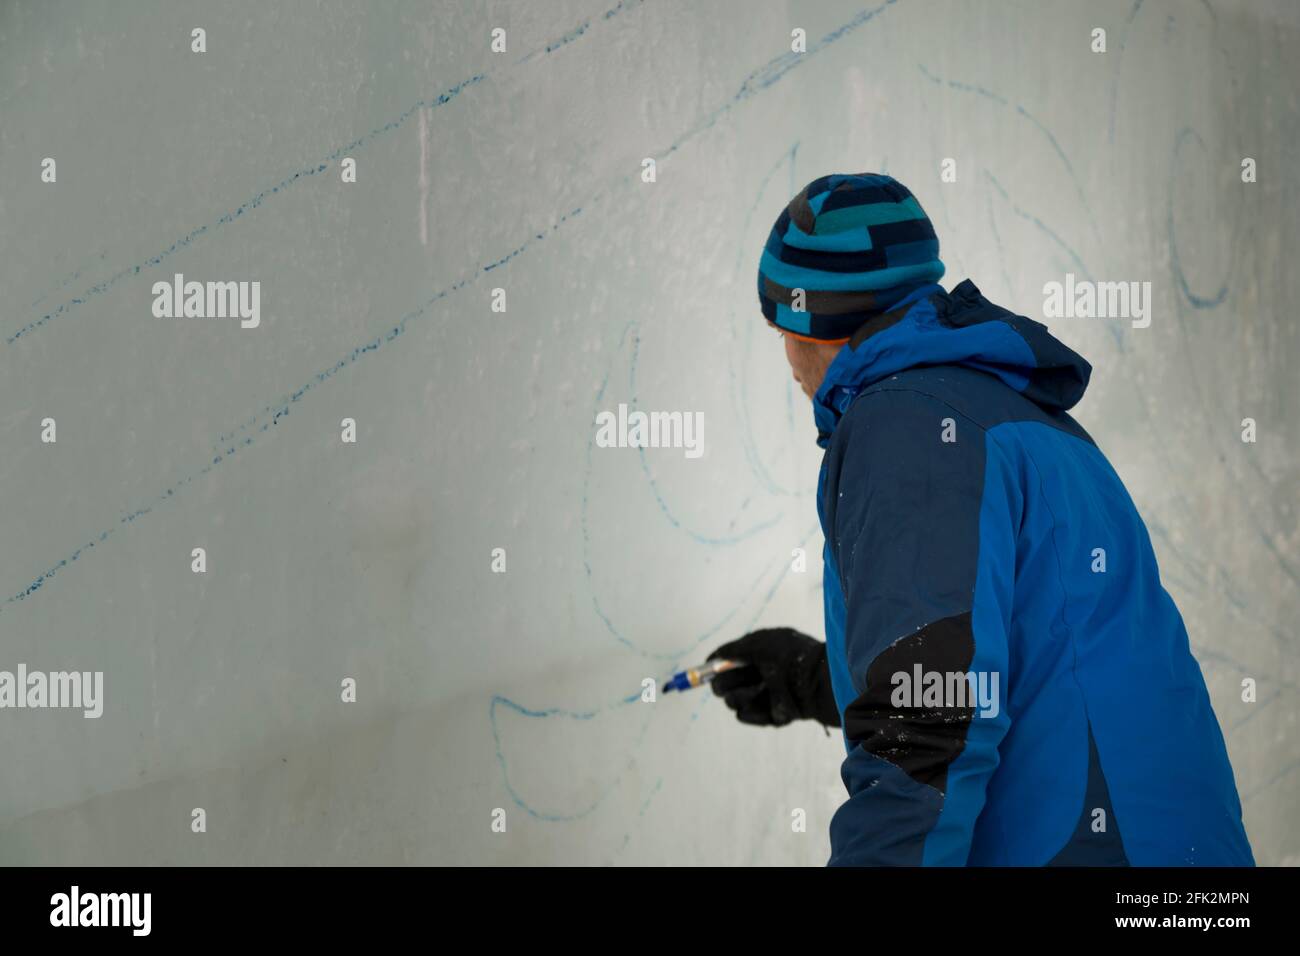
x=1014, y=685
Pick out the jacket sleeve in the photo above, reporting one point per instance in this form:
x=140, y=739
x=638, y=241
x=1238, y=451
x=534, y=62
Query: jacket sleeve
x=923, y=527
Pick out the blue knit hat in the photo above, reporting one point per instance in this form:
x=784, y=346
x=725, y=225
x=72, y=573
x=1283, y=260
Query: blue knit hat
x=855, y=245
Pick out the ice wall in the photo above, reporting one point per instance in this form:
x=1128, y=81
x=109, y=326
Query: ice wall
x=521, y=171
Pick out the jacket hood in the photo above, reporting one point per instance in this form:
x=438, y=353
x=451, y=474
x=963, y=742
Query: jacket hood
x=961, y=327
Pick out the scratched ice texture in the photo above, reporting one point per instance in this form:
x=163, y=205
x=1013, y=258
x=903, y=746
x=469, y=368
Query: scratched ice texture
x=521, y=171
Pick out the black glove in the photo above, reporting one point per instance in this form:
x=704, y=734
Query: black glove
x=786, y=678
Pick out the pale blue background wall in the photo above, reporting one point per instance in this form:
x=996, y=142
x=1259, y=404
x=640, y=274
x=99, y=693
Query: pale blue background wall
x=326, y=560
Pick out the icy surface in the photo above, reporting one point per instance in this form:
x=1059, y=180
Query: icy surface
x=522, y=171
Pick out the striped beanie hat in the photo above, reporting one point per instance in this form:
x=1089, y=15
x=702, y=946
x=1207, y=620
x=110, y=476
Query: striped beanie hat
x=855, y=245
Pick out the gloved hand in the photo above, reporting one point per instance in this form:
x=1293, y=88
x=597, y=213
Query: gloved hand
x=786, y=678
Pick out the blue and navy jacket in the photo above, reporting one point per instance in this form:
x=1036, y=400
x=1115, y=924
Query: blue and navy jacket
x=972, y=527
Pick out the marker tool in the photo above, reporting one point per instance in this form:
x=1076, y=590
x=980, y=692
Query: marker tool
x=696, y=676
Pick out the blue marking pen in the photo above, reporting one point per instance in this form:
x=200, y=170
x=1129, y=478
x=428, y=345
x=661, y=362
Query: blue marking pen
x=697, y=676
